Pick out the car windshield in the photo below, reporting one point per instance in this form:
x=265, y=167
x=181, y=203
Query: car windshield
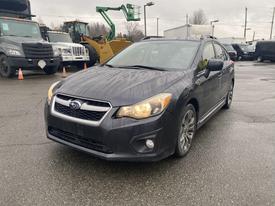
x=19, y=28
x=59, y=37
x=245, y=47
x=228, y=47
x=165, y=55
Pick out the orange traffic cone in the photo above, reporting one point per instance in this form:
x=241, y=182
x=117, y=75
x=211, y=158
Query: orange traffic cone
x=85, y=66
x=20, y=74
x=64, y=73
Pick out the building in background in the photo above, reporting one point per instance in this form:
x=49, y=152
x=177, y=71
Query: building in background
x=226, y=34
x=188, y=31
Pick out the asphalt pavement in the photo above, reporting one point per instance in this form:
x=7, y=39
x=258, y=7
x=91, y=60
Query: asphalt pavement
x=232, y=161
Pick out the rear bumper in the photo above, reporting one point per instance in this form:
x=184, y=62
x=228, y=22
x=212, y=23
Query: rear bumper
x=248, y=56
x=32, y=64
x=116, y=139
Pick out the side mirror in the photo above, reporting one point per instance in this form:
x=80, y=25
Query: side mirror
x=215, y=65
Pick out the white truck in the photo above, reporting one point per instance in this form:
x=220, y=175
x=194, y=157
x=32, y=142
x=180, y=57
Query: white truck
x=72, y=54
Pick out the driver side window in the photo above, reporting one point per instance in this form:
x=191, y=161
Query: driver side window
x=207, y=54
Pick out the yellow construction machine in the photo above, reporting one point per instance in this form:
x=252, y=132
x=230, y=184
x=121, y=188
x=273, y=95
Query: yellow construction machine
x=101, y=48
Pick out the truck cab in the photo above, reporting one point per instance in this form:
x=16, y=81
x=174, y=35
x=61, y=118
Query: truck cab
x=72, y=54
x=22, y=46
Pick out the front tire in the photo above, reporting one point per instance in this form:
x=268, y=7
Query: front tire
x=5, y=68
x=51, y=70
x=186, y=131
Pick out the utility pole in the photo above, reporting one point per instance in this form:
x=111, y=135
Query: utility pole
x=272, y=23
x=187, y=26
x=245, y=23
x=144, y=8
x=254, y=33
x=157, y=26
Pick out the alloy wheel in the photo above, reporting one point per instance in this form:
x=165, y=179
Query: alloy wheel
x=188, y=127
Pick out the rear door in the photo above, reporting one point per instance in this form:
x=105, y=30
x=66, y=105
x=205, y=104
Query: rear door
x=224, y=75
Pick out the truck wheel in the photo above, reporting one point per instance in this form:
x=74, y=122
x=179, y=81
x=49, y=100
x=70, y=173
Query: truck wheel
x=5, y=69
x=51, y=70
x=93, y=55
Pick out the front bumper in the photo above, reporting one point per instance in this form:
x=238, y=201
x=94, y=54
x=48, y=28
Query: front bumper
x=75, y=58
x=32, y=64
x=116, y=139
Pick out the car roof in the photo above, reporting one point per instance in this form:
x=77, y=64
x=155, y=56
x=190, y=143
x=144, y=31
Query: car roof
x=57, y=32
x=17, y=19
x=180, y=39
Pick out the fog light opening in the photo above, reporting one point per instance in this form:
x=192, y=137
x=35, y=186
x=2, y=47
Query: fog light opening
x=150, y=144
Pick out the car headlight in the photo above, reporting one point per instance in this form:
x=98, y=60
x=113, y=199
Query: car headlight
x=66, y=52
x=51, y=91
x=14, y=52
x=147, y=108
x=56, y=52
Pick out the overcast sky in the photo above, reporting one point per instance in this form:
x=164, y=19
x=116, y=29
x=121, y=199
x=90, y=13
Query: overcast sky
x=172, y=13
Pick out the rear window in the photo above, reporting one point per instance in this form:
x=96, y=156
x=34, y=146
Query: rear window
x=228, y=47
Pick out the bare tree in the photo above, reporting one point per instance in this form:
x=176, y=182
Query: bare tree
x=97, y=29
x=134, y=33
x=40, y=20
x=198, y=17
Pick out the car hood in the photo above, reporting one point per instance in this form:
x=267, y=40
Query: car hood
x=119, y=86
x=65, y=44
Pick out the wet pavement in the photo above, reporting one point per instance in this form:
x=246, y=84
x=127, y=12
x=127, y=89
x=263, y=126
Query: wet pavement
x=231, y=162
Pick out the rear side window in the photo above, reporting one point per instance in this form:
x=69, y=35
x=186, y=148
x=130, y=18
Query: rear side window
x=208, y=52
x=220, y=53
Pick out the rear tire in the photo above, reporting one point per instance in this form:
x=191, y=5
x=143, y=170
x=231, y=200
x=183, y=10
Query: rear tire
x=5, y=68
x=260, y=59
x=186, y=131
x=51, y=70
x=93, y=55
x=229, y=97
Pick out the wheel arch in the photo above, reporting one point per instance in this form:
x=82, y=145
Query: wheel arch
x=195, y=104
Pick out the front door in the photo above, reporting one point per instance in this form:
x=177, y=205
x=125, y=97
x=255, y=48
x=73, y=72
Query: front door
x=207, y=83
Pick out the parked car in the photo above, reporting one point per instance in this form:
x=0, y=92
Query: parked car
x=231, y=51
x=21, y=46
x=72, y=54
x=265, y=50
x=144, y=104
x=244, y=51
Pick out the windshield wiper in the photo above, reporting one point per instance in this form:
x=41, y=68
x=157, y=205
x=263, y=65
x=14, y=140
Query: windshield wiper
x=108, y=65
x=143, y=67
x=27, y=36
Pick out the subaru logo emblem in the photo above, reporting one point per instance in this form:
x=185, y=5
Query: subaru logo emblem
x=75, y=105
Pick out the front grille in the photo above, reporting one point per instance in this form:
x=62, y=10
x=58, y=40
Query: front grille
x=81, y=114
x=38, y=50
x=79, y=140
x=89, y=111
x=78, y=51
x=90, y=102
